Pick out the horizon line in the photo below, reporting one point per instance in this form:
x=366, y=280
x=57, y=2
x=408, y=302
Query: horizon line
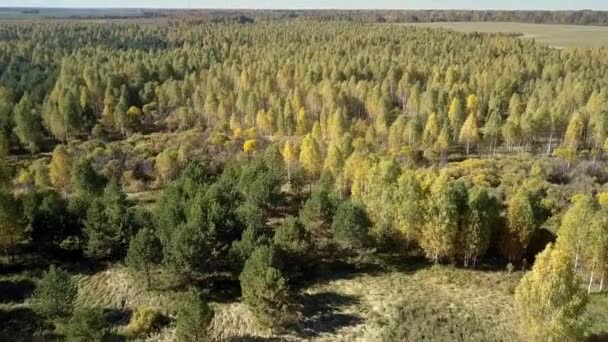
x=307, y=9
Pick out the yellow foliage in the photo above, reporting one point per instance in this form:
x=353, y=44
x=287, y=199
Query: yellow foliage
x=250, y=146
x=142, y=322
x=25, y=177
x=602, y=199
x=60, y=169
x=134, y=112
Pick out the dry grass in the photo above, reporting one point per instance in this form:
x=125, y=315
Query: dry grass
x=357, y=308
x=558, y=36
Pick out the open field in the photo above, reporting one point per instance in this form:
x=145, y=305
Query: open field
x=345, y=305
x=558, y=36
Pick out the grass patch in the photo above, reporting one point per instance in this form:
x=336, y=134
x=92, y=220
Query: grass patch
x=558, y=36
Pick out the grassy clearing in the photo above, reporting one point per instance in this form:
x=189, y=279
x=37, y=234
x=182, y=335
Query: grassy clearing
x=558, y=36
x=405, y=301
x=354, y=307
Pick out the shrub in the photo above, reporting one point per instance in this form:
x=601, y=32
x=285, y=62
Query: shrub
x=87, y=324
x=143, y=321
x=55, y=294
x=193, y=317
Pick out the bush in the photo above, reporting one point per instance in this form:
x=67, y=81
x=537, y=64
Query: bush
x=193, y=317
x=351, y=225
x=264, y=288
x=55, y=294
x=87, y=324
x=143, y=321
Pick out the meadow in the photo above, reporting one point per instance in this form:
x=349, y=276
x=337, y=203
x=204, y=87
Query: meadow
x=557, y=36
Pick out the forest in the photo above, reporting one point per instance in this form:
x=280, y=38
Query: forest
x=194, y=181
x=563, y=17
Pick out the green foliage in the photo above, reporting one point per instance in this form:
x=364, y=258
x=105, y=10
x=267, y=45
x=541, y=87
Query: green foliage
x=107, y=226
x=317, y=212
x=54, y=297
x=350, y=226
x=264, y=289
x=87, y=324
x=193, y=317
x=259, y=184
x=85, y=178
x=12, y=229
x=292, y=239
x=482, y=218
x=28, y=126
x=197, y=220
x=252, y=238
x=144, y=252
x=50, y=218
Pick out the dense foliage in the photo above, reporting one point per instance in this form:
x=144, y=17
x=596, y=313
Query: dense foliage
x=204, y=153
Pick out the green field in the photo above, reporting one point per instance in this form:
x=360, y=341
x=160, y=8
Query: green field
x=558, y=36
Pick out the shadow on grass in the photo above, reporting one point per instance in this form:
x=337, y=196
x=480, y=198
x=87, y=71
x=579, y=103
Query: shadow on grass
x=221, y=288
x=36, y=262
x=322, y=313
x=15, y=291
x=603, y=337
x=249, y=338
x=23, y=324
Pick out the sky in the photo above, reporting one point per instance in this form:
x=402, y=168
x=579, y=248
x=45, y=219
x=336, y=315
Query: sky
x=321, y=4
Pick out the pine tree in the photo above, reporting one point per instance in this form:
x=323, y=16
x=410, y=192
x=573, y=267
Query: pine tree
x=264, y=289
x=54, y=297
x=350, y=225
x=27, y=124
x=194, y=316
x=144, y=252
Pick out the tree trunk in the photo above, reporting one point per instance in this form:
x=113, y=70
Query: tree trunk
x=590, y=282
x=602, y=282
x=550, y=142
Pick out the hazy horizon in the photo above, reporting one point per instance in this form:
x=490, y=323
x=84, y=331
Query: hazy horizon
x=598, y=5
